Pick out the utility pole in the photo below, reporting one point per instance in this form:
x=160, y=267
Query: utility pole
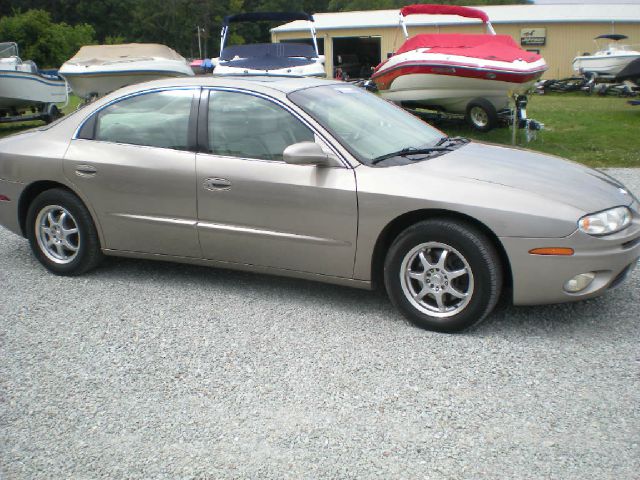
x=199, y=43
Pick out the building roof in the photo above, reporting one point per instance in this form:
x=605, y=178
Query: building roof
x=498, y=14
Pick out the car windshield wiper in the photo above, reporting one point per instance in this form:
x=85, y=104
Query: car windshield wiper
x=451, y=140
x=410, y=151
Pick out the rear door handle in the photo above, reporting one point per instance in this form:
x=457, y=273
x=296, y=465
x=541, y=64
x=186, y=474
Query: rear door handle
x=215, y=184
x=86, y=170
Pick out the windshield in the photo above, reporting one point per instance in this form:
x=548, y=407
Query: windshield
x=367, y=126
x=8, y=49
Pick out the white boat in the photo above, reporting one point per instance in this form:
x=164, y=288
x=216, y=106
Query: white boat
x=455, y=72
x=299, y=59
x=608, y=61
x=23, y=87
x=99, y=69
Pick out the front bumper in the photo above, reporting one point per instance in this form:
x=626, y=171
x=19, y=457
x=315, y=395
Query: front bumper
x=540, y=279
x=9, y=209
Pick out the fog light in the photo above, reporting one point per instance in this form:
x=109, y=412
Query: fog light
x=579, y=282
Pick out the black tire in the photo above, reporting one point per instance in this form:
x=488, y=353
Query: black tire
x=53, y=113
x=87, y=254
x=465, y=243
x=481, y=115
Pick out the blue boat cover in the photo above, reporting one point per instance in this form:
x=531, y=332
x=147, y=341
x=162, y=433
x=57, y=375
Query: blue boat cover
x=268, y=56
x=255, y=50
x=268, y=63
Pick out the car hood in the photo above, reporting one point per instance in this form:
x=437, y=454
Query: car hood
x=543, y=175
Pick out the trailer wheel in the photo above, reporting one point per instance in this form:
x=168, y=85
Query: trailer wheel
x=481, y=114
x=52, y=113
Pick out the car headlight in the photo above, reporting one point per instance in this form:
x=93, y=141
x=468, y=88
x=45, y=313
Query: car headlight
x=604, y=223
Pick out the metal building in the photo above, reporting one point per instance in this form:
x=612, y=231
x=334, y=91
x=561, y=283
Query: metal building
x=356, y=41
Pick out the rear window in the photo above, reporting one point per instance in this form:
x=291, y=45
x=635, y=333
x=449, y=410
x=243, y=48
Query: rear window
x=155, y=119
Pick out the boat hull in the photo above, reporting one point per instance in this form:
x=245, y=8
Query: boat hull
x=450, y=93
x=604, y=65
x=98, y=80
x=20, y=90
x=450, y=82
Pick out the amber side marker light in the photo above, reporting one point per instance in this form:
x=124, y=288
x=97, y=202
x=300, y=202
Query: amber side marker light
x=551, y=251
x=4, y=198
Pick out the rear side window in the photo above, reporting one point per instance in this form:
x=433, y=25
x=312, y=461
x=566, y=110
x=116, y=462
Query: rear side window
x=157, y=119
x=246, y=126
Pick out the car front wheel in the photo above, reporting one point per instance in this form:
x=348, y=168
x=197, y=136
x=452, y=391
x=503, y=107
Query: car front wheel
x=443, y=275
x=62, y=234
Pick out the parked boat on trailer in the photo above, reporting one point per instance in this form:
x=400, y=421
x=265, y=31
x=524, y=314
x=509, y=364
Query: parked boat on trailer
x=299, y=59
x=100, y=69
x=471, y=74
x=608, y=62
x=25, y=92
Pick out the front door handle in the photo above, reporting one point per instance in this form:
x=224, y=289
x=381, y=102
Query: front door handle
x=215, y=184
x=86, y=170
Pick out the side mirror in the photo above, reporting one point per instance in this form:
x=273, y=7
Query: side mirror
x=309, y=153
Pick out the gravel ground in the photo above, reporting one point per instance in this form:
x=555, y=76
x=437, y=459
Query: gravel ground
x=151, y=370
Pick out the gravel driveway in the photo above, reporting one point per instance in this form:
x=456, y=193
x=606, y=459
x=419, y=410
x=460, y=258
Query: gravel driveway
x=154, y=370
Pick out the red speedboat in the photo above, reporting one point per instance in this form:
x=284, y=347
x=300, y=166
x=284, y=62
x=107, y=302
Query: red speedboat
x=457, y=73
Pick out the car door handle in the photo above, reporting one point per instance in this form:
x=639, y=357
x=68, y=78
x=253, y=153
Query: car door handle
x=86, y=170
x=215, y=184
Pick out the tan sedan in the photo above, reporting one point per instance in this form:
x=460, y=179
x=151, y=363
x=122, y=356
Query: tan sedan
x=320, y=180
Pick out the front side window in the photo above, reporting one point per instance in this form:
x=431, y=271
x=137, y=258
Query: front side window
x=246, y=126
x=156, y=119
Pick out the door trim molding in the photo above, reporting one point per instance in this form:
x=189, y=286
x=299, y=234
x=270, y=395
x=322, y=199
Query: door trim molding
x=221, y=227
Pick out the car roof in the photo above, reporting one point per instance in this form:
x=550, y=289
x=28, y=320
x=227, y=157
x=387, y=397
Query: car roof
x=284, y=84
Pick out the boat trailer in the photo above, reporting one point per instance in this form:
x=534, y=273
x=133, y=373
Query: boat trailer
x=591, y=84
x=515, y=117
x=47, y=112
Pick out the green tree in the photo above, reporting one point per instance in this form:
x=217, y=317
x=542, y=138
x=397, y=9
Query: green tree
x=173, y=22
x=39, y=39
x=351, y=5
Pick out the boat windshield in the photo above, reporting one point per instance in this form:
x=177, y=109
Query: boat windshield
x=8, y=49
x=364, y=124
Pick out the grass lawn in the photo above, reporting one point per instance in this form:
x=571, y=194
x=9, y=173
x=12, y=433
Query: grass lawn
x=9, y=128
x=596, y=131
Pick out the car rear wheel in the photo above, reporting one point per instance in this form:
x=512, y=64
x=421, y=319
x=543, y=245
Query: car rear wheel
x=443, y=275
x=62, y=234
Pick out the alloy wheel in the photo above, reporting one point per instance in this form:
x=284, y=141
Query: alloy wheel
x=436, y=279
x=57, y=234
x=479, y=116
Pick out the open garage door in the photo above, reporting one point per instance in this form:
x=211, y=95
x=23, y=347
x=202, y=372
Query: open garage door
x=355, y=57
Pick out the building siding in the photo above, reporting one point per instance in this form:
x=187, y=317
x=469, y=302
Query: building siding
x=563, y=40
